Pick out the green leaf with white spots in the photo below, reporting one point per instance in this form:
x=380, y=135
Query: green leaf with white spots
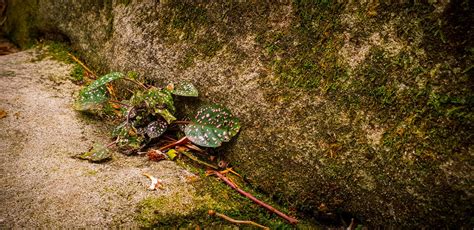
x=166, y=114
x=161, y=98
x=94, y=95
x=154, y=98
x=98, y=153
x=212, y=125
x=105, y=79
x=185, y=89
x=121, y=130
x=129, y=138
x=156, y=128
x=131, y=143
x=91, y=99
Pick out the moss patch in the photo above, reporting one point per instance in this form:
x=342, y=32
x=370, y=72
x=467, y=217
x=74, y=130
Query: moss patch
x=60, y=51
x=210, y=194
x=305, y=54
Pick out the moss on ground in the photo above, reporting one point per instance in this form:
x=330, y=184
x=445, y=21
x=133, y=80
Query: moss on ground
x=62, y=52
x=211, y=194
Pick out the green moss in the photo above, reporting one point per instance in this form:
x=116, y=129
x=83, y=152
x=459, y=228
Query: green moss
x=305, y=56
x=188, y=23
x=77, y=74
x=91, y=172
x=59, y=51
x=209, y=194
x=416, y=100
x=155, y=211
x=203, y=29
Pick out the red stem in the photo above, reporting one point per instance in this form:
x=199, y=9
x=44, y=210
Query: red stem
x=291, y=220
x=179, y=142
x=111, y=144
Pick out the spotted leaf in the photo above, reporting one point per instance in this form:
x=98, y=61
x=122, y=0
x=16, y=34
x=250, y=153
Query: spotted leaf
x=157, y=101
x=156, y=128
x=212, y=125
x=166, y=114
x=105, y=79
x=98, y=153
x=91, y=99
x=185, y=89
x=94, y=95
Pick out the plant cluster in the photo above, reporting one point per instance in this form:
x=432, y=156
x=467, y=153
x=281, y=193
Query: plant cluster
x=150, y=112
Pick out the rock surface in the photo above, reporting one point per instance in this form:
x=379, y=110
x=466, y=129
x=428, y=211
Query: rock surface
x=354, y=110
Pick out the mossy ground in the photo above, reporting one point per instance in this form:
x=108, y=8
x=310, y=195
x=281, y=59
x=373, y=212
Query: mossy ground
x=212, y=194
x=61, y=51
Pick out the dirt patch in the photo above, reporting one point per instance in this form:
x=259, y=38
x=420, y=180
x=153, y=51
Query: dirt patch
x=41, y=184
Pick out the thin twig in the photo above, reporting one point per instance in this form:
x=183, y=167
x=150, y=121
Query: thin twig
x=227, y=170
x=136, y=82
x=187, y=145
x=291, y=220
x=190, y=156
x=195, y=148
x=169, y=138
x=179, y=142
x=82, y=64
x=234, y=221
x=119, y=103
x=111, y=143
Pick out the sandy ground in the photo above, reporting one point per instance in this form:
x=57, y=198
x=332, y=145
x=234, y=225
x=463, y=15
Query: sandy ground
x=41, y=184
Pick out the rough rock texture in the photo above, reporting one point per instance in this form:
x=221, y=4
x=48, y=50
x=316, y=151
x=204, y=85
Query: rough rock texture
x=351, y=110
x=42, y=185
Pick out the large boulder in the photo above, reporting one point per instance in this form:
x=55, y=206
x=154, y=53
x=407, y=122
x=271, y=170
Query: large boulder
x=348, y=110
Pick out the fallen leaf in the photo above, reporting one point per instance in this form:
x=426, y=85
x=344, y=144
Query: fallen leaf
x=155, y=155
x=98, y=153
x=155, y=183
